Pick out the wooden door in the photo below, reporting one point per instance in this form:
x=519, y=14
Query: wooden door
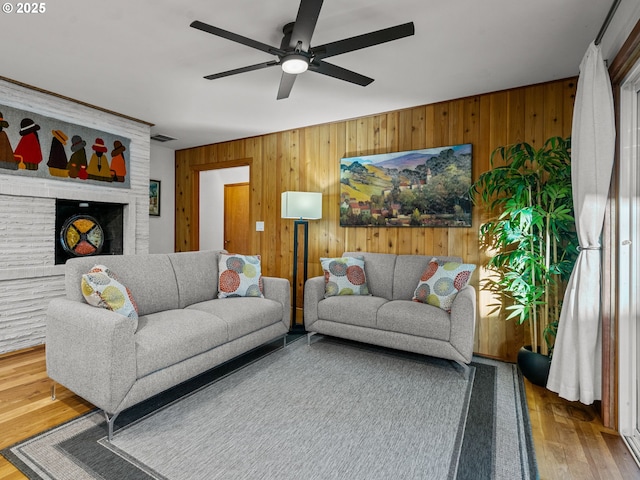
x=236, y=218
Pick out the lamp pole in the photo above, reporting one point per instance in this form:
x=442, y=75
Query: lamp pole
x=296, y=225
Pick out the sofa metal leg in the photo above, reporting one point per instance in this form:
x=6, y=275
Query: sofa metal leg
x=466, y=369
x=309, y=335
x=53, y=390
x=110, y=421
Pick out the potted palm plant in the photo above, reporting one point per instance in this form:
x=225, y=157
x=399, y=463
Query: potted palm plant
x=531, y=239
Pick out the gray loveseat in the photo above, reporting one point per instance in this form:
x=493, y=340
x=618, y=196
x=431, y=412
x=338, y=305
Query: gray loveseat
x=183, y=329
x=389, y=317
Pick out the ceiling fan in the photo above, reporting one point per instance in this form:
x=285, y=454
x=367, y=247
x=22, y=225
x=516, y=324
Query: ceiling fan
x=296, y=55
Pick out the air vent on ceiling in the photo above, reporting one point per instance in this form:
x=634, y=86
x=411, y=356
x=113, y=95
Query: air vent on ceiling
x=158, y=137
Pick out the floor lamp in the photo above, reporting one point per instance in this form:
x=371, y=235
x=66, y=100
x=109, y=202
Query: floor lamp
x=301, y=206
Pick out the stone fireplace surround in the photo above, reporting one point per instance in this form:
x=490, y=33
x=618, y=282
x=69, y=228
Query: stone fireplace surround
x=29, y=275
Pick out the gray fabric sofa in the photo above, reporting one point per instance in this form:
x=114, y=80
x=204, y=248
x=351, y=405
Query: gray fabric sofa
x=389, y=317
x=183, y=329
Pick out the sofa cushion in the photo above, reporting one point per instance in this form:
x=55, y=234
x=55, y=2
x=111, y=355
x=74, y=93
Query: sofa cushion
x=101, y=288
x=166, y=338
x=240, y=276
x=407, y=272
x=413, y=318
x=243, y=315
x=196, y=274
x=352, y=310
x=441, y=281
x=379, y=268
x=344, y=276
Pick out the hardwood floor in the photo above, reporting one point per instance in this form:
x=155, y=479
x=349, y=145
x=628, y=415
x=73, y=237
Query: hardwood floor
x=570, y=441
x=26, y=407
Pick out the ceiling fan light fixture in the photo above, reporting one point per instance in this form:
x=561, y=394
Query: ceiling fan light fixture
x=295, y=64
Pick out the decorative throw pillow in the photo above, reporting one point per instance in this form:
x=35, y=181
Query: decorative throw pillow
x=441, y=282
x=344, y=276
x=101, y=288
x=240, y=276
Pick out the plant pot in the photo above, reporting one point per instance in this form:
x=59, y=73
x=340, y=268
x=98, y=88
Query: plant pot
x=534, y=366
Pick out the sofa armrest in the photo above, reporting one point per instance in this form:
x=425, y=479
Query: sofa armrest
x=313, y=293
x=278, y=289
x=463, y=321
x=91, y=351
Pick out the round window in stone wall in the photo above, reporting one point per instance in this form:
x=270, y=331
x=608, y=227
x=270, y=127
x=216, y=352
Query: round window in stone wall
x=81, y=236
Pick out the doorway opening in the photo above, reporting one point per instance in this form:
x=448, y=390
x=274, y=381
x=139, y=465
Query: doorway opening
x=213, y=184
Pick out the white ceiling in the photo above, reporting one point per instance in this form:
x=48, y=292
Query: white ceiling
x=140, y=57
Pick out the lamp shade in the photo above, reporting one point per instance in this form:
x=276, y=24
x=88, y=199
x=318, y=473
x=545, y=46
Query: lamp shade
x=305, y=205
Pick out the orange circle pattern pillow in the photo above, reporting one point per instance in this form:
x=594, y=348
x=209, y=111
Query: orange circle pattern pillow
x=344, y=276
x=441, y=282
x=240, y=276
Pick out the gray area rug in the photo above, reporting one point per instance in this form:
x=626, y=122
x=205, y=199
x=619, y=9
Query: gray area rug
x=334, y=410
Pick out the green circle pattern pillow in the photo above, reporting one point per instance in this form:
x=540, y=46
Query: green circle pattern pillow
x=101, y=288
x=344, y=276
x=240, y=276
x=441, y=282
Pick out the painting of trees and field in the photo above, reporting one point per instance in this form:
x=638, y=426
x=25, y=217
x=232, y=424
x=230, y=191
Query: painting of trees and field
x=419, y=188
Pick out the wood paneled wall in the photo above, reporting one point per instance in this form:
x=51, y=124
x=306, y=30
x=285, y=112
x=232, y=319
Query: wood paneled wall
x=308, y=159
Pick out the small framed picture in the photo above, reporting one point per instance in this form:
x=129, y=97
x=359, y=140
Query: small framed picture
x=154, y=198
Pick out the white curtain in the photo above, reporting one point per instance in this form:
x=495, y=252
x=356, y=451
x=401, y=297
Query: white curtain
x=576, y=367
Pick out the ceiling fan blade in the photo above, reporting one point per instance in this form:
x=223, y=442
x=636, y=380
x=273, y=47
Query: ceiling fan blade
x=305, y=23
x=242, y=70
x=234, y=37
x=363, y=41
x=286, y=84
x=338, y=72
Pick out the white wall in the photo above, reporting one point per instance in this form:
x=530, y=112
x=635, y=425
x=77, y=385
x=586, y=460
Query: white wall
x=212, y=184
x=162, y=228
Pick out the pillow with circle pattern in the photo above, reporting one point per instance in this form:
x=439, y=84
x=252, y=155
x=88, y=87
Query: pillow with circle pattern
x=441, y=281
x=240, y=276
x=101, y=288
x=344, y=276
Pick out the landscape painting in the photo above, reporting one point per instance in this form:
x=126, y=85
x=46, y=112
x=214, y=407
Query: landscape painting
x=418, y=188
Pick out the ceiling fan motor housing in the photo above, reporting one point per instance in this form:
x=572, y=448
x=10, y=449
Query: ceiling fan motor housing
x=286, y=40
